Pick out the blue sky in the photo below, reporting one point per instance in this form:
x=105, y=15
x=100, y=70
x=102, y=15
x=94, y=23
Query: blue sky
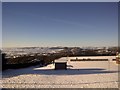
x=60, y=24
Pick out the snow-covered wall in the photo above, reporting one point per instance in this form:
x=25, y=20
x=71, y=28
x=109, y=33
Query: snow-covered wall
x=90, y=57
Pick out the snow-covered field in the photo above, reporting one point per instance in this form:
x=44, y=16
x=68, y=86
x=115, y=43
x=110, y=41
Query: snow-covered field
x=80, y=74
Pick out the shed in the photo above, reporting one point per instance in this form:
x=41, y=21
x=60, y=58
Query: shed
x=60, y=64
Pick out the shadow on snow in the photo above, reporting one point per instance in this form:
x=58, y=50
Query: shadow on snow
x=31, y=70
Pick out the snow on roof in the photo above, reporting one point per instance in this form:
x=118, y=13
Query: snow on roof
x=61, y=61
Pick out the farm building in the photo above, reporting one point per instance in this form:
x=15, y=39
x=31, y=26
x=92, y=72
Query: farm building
x=60, y=64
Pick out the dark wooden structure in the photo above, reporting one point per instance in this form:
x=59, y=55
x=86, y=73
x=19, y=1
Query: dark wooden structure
x=60, y=65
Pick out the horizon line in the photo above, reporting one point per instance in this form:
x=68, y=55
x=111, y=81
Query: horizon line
x=58, y=46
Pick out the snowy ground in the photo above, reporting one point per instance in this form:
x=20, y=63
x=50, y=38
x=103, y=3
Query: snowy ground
x=80, y=74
